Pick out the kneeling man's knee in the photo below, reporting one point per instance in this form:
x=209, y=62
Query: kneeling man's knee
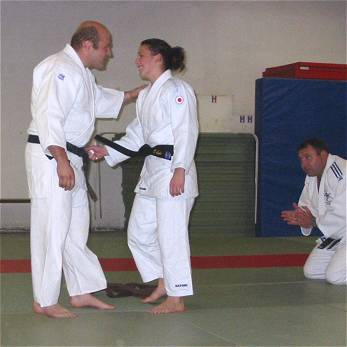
x=311, y=273
x=336, y=277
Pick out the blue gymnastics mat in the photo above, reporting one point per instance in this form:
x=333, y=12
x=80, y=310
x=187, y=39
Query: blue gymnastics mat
x=289, y=111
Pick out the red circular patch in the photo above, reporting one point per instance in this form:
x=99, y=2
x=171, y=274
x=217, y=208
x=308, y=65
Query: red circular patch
x=179, y=100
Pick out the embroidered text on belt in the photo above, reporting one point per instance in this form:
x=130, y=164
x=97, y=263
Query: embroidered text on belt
x=160, y=151
x=79, y=151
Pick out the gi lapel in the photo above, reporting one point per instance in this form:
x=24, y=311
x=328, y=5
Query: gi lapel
x=153, y=91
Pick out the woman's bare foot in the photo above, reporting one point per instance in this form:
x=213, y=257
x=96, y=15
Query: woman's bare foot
x=159, y=292
x=170, y=305
x=88, y=300
x=54, y=311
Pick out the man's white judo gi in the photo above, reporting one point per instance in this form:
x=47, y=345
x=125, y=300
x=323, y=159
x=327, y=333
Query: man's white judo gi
x=158, y=226
x=328, y=206
x=65, y=102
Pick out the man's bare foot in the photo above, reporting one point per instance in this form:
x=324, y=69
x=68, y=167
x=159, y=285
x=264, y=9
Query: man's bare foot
x=88, y=300
x=170, y=305
x=159, y=292
x=54, y=311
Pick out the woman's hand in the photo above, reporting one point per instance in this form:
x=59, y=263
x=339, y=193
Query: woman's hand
x=177, y=182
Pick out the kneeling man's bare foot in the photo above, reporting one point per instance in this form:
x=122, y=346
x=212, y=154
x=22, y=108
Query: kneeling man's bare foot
x=159, y=292
x=53, y=311
x=170, y=305
x=88, y=300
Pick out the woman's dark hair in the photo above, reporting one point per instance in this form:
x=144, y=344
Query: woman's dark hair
x=318, y=144
x=173, y=56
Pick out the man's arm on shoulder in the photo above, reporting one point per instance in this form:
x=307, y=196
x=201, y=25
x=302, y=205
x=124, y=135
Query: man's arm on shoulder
x=131, y=95
x=109, y=102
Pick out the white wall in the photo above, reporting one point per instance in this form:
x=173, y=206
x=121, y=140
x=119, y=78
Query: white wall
x=228, y=46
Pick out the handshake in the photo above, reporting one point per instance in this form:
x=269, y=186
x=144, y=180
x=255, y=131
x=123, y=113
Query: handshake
x=96, y=152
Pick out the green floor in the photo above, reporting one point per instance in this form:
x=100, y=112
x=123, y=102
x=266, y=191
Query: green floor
x=231, y=307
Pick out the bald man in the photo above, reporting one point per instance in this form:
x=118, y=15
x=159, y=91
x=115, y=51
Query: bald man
x=65, y=103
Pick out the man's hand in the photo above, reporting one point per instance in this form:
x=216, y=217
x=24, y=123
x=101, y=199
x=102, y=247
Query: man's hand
x=289, y=216
x=177, y=182
x=65, y=172
x=131, y=95
x=66, y=175
x=305, y=217
x=96, y=152
x=300, y=216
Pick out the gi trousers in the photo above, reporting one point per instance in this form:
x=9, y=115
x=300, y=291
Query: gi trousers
x=327, y=263
x=158, y=240
x=59, y=232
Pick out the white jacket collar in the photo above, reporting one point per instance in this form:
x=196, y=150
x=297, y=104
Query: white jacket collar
x=73, y=55
x=163, y=77
x=161, y=80
x=330, y=161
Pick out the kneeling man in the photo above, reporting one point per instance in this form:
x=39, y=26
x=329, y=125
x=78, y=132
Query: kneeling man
x=322, y=204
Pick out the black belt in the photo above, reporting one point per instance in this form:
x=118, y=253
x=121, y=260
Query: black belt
x=160, y=151
x=79, y=151
x=328, y=243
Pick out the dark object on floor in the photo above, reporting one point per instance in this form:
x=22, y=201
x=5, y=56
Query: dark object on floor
x=119, y=290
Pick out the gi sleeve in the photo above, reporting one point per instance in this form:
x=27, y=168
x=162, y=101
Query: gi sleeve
x=333, y=221
x=184, y=125
x=305, y=200
x=55, y=91
x=133, y=140
x=108, y=102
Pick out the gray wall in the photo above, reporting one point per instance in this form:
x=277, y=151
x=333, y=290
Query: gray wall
x=228, y=45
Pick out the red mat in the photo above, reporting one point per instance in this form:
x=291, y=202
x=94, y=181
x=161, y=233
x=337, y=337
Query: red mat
x=203, y=262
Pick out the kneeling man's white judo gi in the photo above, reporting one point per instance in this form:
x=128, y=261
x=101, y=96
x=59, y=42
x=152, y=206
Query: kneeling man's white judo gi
x=328, y=205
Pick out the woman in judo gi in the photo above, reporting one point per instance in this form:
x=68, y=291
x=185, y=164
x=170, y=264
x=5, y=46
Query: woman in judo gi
x=158, y=225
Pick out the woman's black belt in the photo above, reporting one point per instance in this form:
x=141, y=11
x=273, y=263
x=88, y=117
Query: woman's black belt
x=160, y=151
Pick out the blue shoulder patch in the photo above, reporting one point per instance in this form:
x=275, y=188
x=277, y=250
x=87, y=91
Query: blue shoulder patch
x=61, y=76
